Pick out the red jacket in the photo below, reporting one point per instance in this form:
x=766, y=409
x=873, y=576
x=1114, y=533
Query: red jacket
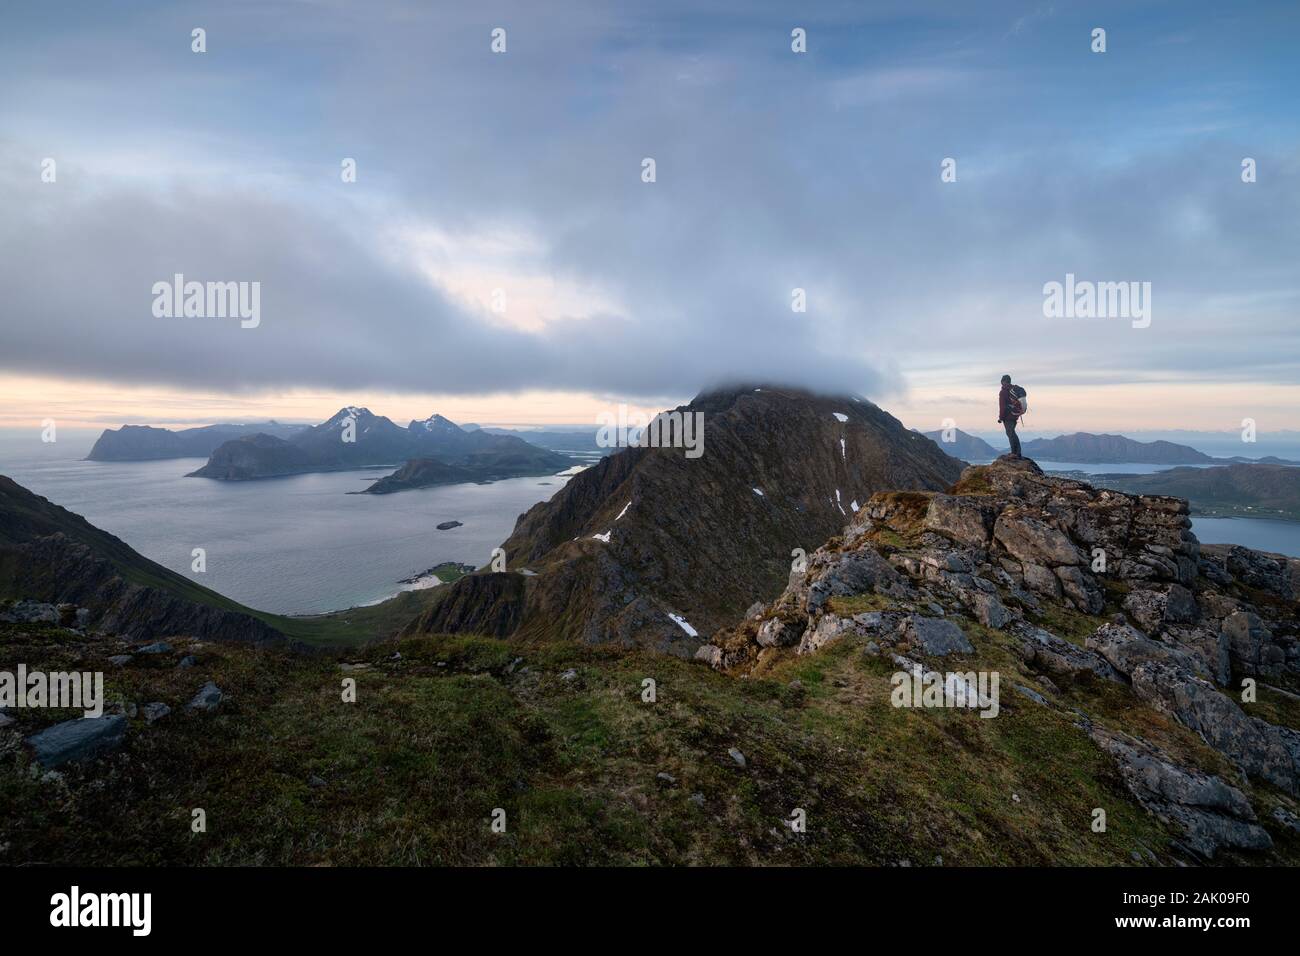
x=1008, y=405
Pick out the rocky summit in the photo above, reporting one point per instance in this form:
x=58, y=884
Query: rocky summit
x=1094, y=603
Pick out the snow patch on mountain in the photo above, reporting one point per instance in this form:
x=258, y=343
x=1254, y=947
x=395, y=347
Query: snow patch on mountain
x=681, y=622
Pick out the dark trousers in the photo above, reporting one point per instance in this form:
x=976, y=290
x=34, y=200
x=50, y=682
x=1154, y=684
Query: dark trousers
x=1010, y=425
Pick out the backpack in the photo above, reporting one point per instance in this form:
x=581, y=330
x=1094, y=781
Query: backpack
x=1022, y=399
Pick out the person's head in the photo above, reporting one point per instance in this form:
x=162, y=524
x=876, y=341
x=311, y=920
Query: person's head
x=1006, y=379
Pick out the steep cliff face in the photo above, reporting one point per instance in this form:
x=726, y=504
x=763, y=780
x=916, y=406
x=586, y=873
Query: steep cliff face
x=1055, y=583
x=50, y=554
x=654, y=547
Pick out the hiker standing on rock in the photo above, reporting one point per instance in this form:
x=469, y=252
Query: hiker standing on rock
x=1011, y=405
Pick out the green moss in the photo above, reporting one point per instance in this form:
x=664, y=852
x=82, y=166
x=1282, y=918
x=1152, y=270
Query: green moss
x=1068, y=623
x=974, y=481
x=847, y=606
x=454, y=728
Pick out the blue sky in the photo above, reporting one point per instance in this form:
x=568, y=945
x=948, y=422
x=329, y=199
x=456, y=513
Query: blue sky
x=520, y=172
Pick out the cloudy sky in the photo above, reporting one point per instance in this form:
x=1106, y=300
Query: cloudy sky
x=522, y=172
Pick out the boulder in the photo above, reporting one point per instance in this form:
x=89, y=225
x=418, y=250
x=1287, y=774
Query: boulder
x=935, y=636
x=828, y=628
x=1081, y=589
x=208, y=698
x=989, y=609
x=1251, y=646
x=1125, y=647
x=962, y=518
x=1033, y=541
x=776, y=632
x=30, y=612
x=709, y=654
x=1041, y=580
x=859, y=572
x=77, y=740
x=1153, y=608
x=155, y=711
x=1044, y=651
x=1209, y=647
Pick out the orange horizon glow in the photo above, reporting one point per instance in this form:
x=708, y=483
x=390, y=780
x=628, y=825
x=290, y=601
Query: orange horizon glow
x=27, y=401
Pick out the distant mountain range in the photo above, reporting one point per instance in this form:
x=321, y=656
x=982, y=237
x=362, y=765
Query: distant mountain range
x=964, y=446
x=1112, y=449
x=355, y=437
x=1252, y=490
x=574, y=440
x=1089, y=449
x=650, y=547
x=146, y=443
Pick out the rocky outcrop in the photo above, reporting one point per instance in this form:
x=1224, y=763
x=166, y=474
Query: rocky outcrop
x=1008, y=549
x=1044, y=651
x=1211, y=814
x=1261, y=749
x=1250, y=645
x=1125, y=647
x=1275, y=574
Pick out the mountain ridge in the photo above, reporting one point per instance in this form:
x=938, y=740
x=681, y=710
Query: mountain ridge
x=1088, y=448
x=649, y=546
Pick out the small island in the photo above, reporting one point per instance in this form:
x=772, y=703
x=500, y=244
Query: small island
x=448, y=525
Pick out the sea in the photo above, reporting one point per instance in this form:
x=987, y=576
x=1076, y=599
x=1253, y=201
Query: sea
x=303, y=545
x=294, y=545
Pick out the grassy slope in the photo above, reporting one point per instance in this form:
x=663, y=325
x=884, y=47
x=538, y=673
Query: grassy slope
x=359, y=625
x=413, y=770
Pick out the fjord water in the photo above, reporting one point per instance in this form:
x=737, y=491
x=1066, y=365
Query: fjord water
x=1262, y=534
x=301, y=545
x=297, y=545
